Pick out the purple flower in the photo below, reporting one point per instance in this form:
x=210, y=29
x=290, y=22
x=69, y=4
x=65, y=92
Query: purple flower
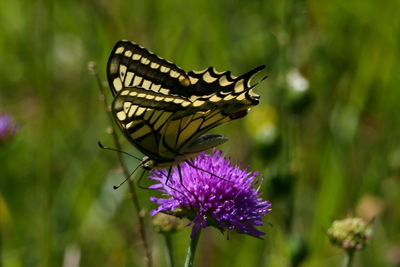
x=7, y=128
x=226, y=200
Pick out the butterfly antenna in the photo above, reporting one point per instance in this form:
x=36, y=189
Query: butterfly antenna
x=116, y=150
x=127, y=178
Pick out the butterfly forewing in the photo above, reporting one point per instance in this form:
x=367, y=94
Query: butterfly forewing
x=131, y=65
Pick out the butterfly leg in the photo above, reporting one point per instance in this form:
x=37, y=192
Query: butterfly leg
x=181, y=183
x=180, y=179
x=200, y=169
x=166, y=182
x=140, y=179
x=168, y=175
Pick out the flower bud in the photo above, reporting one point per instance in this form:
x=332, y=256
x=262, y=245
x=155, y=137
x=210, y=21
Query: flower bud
x=163, y=223
x=350, y=233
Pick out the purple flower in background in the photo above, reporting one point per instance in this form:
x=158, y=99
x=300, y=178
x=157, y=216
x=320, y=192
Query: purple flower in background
x=226, y=200
x=7, y=128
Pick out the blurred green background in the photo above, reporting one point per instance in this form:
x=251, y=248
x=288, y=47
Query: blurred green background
x=325, y=136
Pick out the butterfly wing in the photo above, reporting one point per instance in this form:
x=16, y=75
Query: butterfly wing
x=142, y=115
x=165, y=112
x=162, y=127
x=180, y=136
x=131, y=65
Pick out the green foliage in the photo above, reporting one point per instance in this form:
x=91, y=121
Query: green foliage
x=337, y=144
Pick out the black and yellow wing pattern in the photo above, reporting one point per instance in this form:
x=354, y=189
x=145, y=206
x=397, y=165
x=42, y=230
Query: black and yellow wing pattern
x=164, y=111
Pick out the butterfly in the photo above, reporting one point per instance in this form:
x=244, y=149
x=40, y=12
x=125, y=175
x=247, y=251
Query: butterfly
x=165, y=112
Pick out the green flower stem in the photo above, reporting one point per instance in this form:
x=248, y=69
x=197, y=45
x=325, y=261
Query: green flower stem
x=348, y=260
x=192, y=250
x=170, y=250
x=142, y=230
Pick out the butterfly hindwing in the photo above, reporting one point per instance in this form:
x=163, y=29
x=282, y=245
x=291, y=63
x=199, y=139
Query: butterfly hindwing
x=158, y=128
x=181, y=131
x=141, y=115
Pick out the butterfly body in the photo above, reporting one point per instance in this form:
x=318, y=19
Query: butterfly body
x=165, y=112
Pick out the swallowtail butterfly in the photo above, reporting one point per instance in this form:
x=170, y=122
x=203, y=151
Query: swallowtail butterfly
x=165, y=112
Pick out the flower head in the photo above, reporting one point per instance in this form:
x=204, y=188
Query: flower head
x=7, y=128
x=350, y=233
x=212, y=193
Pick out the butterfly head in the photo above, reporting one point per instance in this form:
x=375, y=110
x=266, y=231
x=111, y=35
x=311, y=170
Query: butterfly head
x=148, y=164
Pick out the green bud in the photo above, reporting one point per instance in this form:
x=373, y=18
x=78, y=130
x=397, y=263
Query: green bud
x=350, y=234
x=164, y=223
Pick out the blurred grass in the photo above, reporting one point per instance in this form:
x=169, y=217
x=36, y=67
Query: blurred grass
x=56, y=194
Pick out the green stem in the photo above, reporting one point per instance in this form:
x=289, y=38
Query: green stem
x=170, y=250
x=132, y=188
x=348, y=260
x=192, y=250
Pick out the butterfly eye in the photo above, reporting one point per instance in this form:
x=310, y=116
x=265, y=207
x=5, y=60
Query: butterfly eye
x=147, y=164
